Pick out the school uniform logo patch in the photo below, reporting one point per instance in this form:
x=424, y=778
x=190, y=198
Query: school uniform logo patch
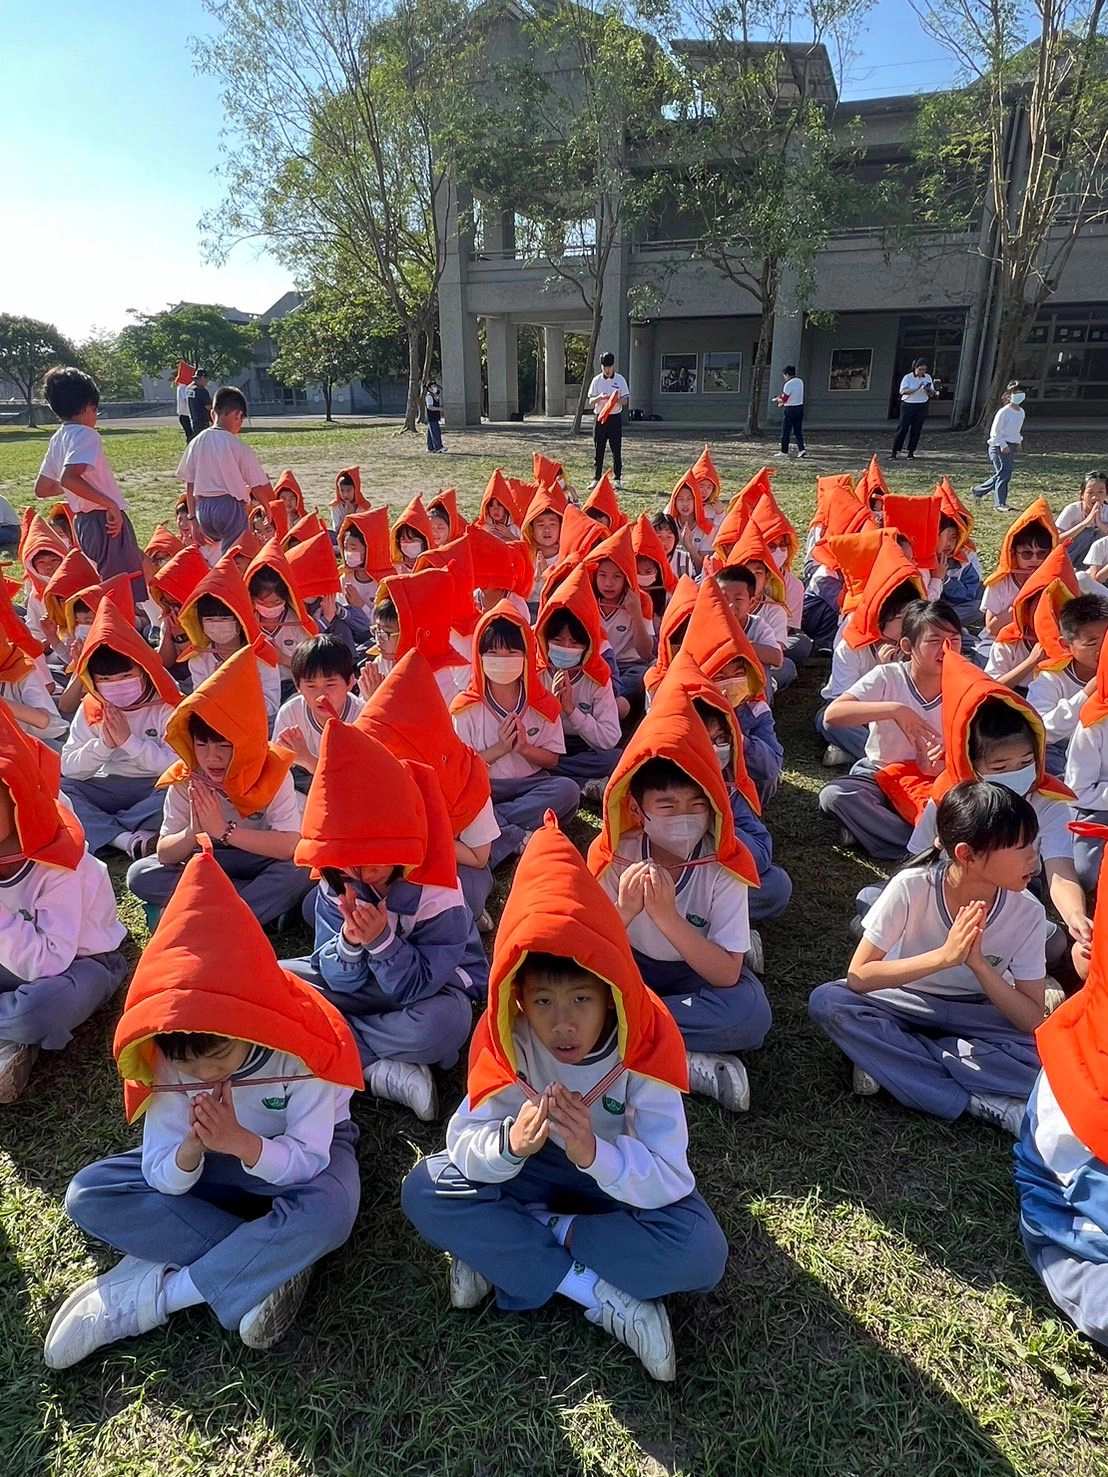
x=150, y=733
x=697, y=922
x=278, y=1104
x=994, y=960
x=585, y=707
x=611, y=1105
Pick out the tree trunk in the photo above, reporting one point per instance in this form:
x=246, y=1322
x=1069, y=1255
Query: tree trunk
x=1016, y=318
x=762, y=353
x=30, y=404
x=590, y=361
x=328, y=391
x=428, y=353
x=414, y=367
x=539, y=407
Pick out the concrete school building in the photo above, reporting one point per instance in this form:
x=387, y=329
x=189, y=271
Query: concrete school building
x=689, y=358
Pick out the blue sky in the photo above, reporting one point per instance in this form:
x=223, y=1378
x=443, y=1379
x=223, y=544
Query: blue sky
x=111, y=139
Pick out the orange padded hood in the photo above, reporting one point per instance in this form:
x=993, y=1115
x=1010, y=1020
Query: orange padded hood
x=687, y=675
x=673, y=730
x=73, y=574
x=556, y=907
x=546, y=500
x=1055, y=580
x=579, y=534
x=700, y=517
x=408, y=715
x=231, y=701
x=828, y=490
x=704, y=470
x=368, y=808
x=179, y=576
x=285, y=482
x=415, y=517
x=110, y=628
x=498, y=489
x=752, y=548
x=955, y=509
x=210, y=968
x=871, y=482
x=500, y=564
x=715, y=638
x=676, y=613
x=548, y=472
x=163, y=543
x=602, y=499
x=38, y=538
x=917, y=519
x=575, y=594
x=355, y=475
x=774, y=526
x=645, y=544
x=270, y=557
x=47, y=831
x=891, y=569
x=373, y=528
x=537, y=696
x=456, y=558
x=226, y=584
x=446, y=501
x=1095, y=706
x=1038, y=512
x=315, y=571
x=423, y=604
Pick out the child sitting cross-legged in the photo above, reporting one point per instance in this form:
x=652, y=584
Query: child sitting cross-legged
x=569, y=636
x=565, y=1169
x=668, y=857
x=218, y=618
x=232, y=785
x=247, y=1174
x=947, y=985
x=59, y=929
x=396, y=948
x=323, y=671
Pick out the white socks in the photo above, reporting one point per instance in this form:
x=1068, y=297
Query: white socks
x=579, y=1285
x=558, y=1225
x=180, y=1291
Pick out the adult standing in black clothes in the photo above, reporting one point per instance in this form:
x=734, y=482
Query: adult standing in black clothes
x=917, y=390
x=608, y=432
x=200, y=403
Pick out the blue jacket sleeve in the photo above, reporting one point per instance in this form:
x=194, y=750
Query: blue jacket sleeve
x=750, y=829
x=402, y=968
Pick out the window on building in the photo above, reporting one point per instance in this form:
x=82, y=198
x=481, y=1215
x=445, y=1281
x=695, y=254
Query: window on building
x=936, y=337
x=1063, y=366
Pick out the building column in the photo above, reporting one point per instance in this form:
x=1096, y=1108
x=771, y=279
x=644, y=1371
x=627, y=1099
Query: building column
x=461, y=355
x=554, y=352
x=502, y=349
x=788, y=342
x=614, y=320
x=641, y=370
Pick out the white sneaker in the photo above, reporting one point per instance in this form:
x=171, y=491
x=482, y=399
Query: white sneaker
x=1053, y=996
x=755, y=958
x=802, y=453
x=1000, y=1110
x=485, y=923
x=833, y=756
x=468, y=1289
x=16, y=1061
x=780, y=453
x=642, y=1326
x=721, y=1078
x=268, y=1322
x=847, y=837
x=128, y=1300
x=409, y=1083
x=863, y=1084
x=618, y=485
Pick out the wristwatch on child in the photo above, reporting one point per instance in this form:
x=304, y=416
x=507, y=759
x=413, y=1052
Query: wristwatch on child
x=231, y=826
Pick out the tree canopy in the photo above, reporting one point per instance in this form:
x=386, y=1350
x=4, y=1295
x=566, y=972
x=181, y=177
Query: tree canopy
x=199, y=333
x=28, y=348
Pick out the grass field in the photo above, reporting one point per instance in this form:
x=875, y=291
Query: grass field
x=877, y=1316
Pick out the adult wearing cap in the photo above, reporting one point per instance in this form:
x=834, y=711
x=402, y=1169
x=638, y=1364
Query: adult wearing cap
x=200, y=403
x=608, y=416
x=183, y=384
x=917, y=390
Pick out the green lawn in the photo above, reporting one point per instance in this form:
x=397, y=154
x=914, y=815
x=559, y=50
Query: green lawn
x=877, y=1316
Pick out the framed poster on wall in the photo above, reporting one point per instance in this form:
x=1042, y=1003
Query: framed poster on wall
x=680, y=374
x=723, y=372
x=851, y=371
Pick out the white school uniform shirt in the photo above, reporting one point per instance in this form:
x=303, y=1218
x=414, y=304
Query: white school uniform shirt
x=792, y=392
x=220, y=465
x=912, y=917
x=143, y=755
x=1097, y=554
x=1007, y=427
x=1004, y=656
x=183, y=400
x=482, y=830
x=604, y=387
x=595, y=719
x=296, y=713
x=775, y=618
x=1054, y=815
x=848, y=663
x=709, y=898
x=35, y=613
x=542, y=564
x=286, y=638
x=294, y=1117
x=203, y=663
x=50, y=916
x=794, y=598
x=758, y=630
x=681, y=562
x=281, y=814
x=479, y=727
x=914, y=388
x=32, y=692
x=620, y=633
x=997, y=599
x=80, y=446
x=1058, y=698
x=641, y=1136
x=890, y=682
x=1087, y=766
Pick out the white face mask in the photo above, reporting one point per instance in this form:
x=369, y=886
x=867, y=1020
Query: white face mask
x=353, y=559
x=565, y=658
x=780, y=557
x=121, y=692
x=411, y=548
x=1019, y=781
x=220, y=630
x=723, y=754
x=269, y=610
x=503, y=669
x=678, y=834
x=647, y=581
x=1018, y=398
x=81, y=630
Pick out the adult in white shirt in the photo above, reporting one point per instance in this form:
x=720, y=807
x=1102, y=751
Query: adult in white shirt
x=791, y=401
x=184, y=415
x=1005, y=434
x=917, y=390
x=608, y=432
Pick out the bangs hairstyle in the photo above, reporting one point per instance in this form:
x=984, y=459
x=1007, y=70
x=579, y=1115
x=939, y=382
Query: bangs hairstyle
x=923, y=616
x=661, y=774
x=985, y=817
x=1035, y=535
x=322, y=656
x=179, y=1046
x=502, y=632
x=264, y=582
x=897, y=603
x=712, y=719
x=663, y=520
x=386, y=611
x=736, y=574
x=996, y=722
x=203, y=733
x=106, y=662
x=1085, y=610
x=406, y=531
x=556, y=969
x=565, y=623
x=210, y=607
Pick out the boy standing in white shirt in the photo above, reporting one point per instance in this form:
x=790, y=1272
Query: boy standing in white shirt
x=221, y=474
x=609, y=431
